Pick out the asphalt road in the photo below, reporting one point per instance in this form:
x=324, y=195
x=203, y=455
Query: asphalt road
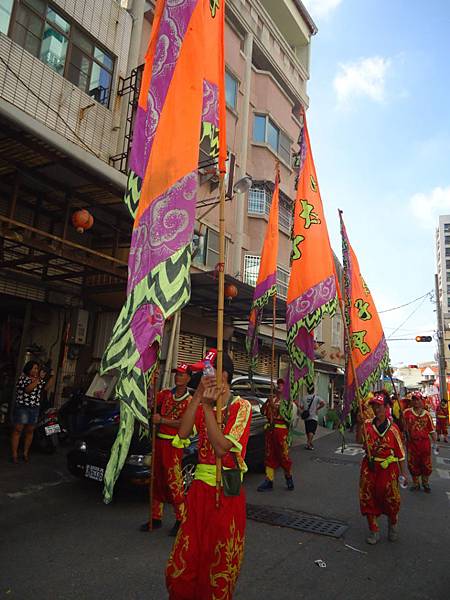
x=58, y=541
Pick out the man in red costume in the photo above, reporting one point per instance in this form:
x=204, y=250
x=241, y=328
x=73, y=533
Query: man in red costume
x=208, y=551
x=276, y=442
x=442, y=421
x=418, y=427
x=168, y=480
x=379, y=492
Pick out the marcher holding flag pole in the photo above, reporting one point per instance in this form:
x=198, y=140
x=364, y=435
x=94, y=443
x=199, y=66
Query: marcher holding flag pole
x=205, y=560
x=367, y=356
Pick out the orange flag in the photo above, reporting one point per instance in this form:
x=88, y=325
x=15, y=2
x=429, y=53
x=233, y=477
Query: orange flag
x=369, y=348
x=266, y=285
x=181, y=105
x=312, y=286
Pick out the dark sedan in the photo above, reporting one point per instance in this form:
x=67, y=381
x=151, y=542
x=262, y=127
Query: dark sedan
x=90, y=456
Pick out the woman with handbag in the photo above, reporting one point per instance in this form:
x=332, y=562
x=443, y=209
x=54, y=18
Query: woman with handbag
x=310, y=406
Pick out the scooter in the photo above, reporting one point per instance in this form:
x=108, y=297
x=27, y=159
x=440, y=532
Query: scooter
x=47, y=431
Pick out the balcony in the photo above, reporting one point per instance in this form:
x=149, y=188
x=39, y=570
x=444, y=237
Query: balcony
x=281, y=44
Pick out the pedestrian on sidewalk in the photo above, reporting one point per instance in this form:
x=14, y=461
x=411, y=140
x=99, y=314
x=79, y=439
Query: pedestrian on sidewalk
x=208, y=551
x=171, y=404
x=309, y=407
x=442, y=421
x=29, y=389
x=379, y=492
x=418, y=429
x=276, y=441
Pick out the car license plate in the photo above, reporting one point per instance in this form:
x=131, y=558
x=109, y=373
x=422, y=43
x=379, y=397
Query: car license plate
x=50, y=429
x=93, y=472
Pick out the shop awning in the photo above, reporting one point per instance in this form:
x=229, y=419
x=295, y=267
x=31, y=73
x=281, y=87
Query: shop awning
x=204, y=288
x=44, y=178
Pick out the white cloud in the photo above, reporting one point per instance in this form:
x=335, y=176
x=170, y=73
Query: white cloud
x=365, y=77
x=427, y=207
x=321, y=8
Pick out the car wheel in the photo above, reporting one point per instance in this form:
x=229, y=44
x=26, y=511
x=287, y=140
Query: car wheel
x=188, y=473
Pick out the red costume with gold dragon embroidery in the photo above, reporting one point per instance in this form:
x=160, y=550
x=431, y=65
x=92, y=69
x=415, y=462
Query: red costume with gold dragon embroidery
x=418, y=426
x=442, y=420
x=276, y=440
x=168, y=480
x=208, y=551
x=379, y=492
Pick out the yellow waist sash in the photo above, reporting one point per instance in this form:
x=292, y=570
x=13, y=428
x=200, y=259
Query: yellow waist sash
x=165, y=436
x=385, y=462
x=207, y=474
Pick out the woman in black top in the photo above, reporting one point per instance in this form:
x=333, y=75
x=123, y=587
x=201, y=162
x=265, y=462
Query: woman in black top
x=29, y=390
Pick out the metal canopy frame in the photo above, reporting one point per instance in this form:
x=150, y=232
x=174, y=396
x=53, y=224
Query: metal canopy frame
x=41, y=187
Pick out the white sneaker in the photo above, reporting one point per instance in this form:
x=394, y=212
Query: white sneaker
x=373, y=538
x=393, y=533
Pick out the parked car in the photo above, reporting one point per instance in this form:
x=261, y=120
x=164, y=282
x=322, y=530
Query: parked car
x=90, y=456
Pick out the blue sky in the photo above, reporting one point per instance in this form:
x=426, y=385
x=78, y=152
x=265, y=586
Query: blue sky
x=380, y=134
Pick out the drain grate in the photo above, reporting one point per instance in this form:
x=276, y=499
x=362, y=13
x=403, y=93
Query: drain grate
x=296, y=520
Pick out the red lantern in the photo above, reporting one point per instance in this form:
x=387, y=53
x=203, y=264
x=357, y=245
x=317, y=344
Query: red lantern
x=231, y=291
x=82, y=220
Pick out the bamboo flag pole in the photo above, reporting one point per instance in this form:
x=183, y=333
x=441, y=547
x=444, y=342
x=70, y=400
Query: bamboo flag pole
x=152, y=464
x=220, y=319
x=355, y=378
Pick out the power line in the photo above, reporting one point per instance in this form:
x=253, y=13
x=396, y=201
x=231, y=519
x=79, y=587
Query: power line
x=407, y=304
x=408, y=317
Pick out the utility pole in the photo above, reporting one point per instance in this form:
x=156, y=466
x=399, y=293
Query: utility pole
x=441, y=349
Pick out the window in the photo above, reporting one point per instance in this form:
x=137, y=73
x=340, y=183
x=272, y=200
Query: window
x=251, y=269
x=5, y=15
x=259, y=201
x=251, y=272
x=45, y=33
x=447, y=263
x=266, y=132
x=55, y=42
x=206, y=249
x=447, y=227
x=282, y=282
x=447, y=252
x=447, y=239
x=336, y=334
x=259, y=129
x=231, y=90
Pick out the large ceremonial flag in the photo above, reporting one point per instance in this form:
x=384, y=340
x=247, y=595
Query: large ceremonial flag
x=369, y=350
x=266, y=285
x=181, y=101
x=312, y=286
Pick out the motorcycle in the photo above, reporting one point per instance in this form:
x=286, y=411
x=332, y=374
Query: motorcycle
x=47, y=431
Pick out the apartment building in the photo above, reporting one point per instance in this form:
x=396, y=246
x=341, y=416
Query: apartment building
x=69, y=78
x=61, y=64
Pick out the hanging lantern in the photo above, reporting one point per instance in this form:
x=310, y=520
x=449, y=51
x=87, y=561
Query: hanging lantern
x=82, y=220
x=231, y=291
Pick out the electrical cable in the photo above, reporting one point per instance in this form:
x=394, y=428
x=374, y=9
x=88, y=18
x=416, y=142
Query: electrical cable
x=49, y=108
x=407, y=304
x=408, y=317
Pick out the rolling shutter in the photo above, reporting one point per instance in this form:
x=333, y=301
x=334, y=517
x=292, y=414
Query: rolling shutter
x=191, y=348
